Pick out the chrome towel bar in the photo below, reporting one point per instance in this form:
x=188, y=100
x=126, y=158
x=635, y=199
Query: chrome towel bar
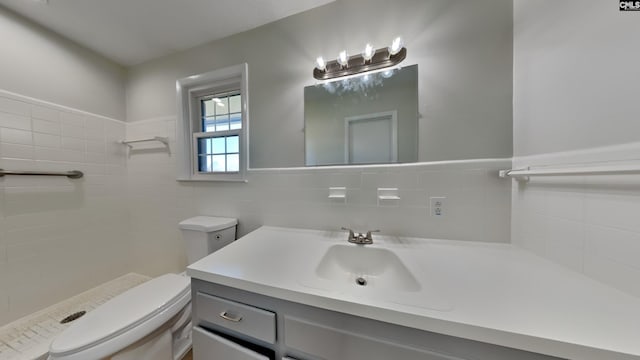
x=524, y=174
x=74, y=174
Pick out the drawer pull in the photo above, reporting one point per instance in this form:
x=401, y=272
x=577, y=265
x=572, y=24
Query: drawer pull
x=226, y=316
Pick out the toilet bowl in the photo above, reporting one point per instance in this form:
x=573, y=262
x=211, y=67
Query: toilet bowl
x=151, y=320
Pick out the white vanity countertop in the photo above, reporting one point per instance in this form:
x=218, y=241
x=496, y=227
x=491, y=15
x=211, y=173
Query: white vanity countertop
x=494, y=293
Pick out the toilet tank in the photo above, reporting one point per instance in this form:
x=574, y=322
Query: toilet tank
x=206, y=234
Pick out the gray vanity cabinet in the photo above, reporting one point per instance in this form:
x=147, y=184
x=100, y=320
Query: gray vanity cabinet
x=229, y=322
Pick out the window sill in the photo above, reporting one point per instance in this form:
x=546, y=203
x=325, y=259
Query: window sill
x=212, y=180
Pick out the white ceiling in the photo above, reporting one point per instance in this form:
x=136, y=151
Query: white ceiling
x=130, y=32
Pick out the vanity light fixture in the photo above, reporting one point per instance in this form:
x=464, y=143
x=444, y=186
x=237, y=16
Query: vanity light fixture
x=369, y=60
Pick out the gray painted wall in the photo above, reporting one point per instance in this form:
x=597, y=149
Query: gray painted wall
x=463, y=49
x=575, y=75
x=42, y=65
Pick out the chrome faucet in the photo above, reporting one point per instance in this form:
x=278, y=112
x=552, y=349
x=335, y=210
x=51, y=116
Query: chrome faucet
x=360, y=238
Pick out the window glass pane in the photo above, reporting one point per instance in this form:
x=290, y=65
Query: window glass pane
x=218, y=163
x=233, y=162
x=234, y=104
x=233, y=145
x=204, y=163
x=209, y=148
x=218, y=146
x=222, y=113
x=208, y=124
x=209, y=108
x=236, y=121
x=219, y=154
x=222, y=123
x=222, y=105
x=203, y=145
x=217, y=106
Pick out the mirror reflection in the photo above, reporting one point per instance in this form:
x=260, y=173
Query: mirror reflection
x=366, y=119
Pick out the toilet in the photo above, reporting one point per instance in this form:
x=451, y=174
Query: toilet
x=151, y=320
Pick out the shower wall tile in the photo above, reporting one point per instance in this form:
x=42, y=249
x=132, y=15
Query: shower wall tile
x=58, y=237
x=72, y=131
x=16, y=151
x=15, y=106
x=46, y=140
x=13, y=121
x=13, y=136
x=44, y=113
x=79, y=144
x=46, y=127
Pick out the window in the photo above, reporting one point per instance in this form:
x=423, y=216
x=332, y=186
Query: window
x=213, y=120
x=218, y=142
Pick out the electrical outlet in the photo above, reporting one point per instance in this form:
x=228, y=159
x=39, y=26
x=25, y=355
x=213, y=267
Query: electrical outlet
x=438, y=205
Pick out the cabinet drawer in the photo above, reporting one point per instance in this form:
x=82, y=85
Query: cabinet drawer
x=332, y=343
x=248, y=320
x=208, y=346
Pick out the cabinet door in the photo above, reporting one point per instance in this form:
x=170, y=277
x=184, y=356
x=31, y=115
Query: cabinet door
x=208, y=346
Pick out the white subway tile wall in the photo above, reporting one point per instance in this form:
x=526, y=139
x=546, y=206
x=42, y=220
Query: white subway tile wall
x=589, y=224
x=58, y=237
x=478, y=201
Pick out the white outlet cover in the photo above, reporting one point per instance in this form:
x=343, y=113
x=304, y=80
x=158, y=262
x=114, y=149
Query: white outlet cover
x=437, y=206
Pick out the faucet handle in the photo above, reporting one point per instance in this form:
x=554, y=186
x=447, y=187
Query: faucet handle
x=351, y=235
x=369, y=234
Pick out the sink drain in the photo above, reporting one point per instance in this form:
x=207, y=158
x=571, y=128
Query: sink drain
x=361, y=281
x=72, y=317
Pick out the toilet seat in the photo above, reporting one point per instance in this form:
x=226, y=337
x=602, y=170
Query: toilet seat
x=124, y=319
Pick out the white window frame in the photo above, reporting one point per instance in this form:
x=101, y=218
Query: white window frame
x=189, y=91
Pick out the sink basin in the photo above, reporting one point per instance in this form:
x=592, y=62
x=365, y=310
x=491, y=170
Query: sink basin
x=361, y=266
x=373, y=273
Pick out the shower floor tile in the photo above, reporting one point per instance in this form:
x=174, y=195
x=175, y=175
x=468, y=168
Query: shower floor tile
x=28, y=338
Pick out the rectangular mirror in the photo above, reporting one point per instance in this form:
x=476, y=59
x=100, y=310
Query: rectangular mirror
x=366, y=119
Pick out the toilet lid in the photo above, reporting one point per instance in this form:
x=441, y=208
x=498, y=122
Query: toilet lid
x=207, y=223
x=157, y=297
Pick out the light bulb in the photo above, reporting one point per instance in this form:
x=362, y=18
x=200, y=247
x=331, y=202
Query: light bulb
x=368, y=52
x=321, y=64
x=396, y=46
x=343, y=60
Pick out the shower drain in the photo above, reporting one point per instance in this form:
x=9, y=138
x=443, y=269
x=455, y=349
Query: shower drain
x=361, y=281
x=72, y=317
